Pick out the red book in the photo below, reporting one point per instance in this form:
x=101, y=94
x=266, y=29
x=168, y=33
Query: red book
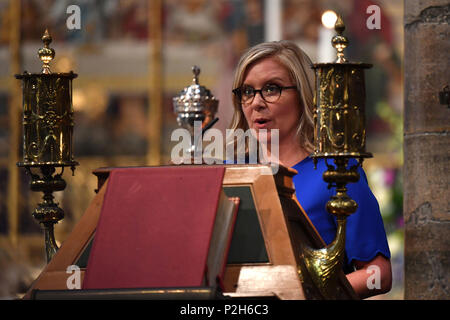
x=158, y=227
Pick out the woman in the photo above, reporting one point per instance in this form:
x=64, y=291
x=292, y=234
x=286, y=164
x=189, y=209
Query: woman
x=273, y=89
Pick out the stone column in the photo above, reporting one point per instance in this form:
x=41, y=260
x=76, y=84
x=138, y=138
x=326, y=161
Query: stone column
x=426, y=149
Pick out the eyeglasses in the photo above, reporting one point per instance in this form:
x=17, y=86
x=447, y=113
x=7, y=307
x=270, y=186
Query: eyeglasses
x=269, y=93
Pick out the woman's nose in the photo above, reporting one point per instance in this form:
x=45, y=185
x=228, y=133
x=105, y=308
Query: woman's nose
x=258, y=102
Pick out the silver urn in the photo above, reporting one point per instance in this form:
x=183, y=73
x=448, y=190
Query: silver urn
x=195, y=104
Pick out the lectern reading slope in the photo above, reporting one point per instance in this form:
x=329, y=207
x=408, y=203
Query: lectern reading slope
x=264, y=259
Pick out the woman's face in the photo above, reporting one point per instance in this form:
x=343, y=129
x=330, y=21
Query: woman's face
x=282, y=114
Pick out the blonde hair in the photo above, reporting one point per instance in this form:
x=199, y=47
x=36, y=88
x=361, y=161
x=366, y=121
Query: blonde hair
x=299, y=66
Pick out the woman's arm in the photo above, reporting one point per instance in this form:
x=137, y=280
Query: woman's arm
x=365, y=279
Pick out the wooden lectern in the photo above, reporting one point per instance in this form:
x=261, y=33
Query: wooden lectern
x=264, y=255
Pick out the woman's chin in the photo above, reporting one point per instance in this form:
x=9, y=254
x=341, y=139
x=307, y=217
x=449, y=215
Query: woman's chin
x=267, y=136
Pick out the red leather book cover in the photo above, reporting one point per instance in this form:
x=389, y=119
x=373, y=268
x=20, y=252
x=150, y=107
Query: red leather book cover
x=155, y=228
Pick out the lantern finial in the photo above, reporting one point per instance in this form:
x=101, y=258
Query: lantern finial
x=339, y=41
x=46, y=54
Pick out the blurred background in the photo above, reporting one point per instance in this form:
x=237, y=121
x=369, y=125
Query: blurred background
x=133, y=56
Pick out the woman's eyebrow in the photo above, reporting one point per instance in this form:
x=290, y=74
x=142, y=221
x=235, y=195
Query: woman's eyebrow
x=274, y=79
x=269, y=80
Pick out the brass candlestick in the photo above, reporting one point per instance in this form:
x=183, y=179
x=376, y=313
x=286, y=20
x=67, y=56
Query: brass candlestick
x=47, y=137
x=339, y=121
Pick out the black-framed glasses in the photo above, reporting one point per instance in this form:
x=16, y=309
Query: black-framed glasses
x=269, y=92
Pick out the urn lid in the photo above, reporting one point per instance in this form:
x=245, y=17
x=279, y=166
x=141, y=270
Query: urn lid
x=195, y=98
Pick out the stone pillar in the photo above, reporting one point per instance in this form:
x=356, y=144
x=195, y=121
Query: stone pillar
x=426, y=149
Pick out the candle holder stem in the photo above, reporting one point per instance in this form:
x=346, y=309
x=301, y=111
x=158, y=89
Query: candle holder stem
x=48, y=213
x=324, y=265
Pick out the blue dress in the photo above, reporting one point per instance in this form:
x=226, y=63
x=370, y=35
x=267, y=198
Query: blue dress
x=365, y=234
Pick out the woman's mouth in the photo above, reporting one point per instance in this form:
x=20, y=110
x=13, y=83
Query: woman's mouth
x=261, y=123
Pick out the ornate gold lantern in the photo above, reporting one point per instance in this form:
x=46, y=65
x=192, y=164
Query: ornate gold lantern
x=47, y=137
x=339, y=121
